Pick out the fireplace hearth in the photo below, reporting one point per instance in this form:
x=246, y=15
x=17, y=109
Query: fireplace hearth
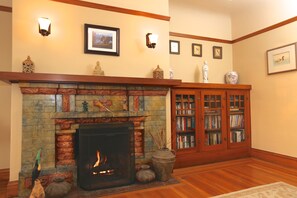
x=105, y=155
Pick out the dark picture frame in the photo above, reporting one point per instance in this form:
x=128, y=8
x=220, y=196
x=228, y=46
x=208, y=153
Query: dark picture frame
x=282, y=59
x=101, y=40
x=174, y=47
x=196, y=49
x=217, y=52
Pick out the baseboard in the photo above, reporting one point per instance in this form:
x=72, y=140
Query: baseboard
x=4, y=174
x=12, y=188
x=276, y=158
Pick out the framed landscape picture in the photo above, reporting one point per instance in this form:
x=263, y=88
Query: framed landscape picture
x=282, y=59
x=102, y=40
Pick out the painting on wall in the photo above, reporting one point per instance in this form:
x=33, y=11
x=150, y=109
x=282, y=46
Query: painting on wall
x=174, y=47
x=282, y=59
x=196, y=49
x=217, y=52
x=102, y=40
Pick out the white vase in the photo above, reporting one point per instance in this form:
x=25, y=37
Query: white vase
x=231, y=77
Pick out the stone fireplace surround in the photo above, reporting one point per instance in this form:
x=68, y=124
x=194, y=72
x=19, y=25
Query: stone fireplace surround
x=52, y=113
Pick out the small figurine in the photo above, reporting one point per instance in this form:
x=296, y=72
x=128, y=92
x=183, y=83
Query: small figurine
x=28, y=66
x=205, y=72
x=158, y=73
x=98, y=71
x=171, y=73
x=85, y=106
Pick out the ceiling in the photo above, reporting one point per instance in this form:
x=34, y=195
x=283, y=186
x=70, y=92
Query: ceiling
x=226, y=6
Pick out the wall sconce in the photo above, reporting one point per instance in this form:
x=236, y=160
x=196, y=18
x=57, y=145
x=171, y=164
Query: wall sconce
x=44, y=26
x=151, y=40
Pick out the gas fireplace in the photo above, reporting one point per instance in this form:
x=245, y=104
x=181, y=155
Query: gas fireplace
x=105, y=155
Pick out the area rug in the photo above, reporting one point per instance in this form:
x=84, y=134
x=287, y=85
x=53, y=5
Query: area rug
x=274, y=190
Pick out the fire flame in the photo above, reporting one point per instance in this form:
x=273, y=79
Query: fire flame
x=99, y=162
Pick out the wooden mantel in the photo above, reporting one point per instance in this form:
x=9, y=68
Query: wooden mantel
x=19, y=77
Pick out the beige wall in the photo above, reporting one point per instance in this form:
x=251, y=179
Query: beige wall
x=5, y=90
x=189, y=68
x=62, y=51
x=262, y=14
x=191, y=18
x=142, y=5
x=273, y=97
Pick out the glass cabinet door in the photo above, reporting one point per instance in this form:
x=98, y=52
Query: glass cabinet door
x=237, y=118
x=214, y=135
x=185, y=120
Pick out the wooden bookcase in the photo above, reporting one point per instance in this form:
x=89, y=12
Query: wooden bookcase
x=210, y=122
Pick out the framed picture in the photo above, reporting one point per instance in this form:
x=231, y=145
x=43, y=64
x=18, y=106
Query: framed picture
x=282, y=59
x=174, y=47
x=196, y=49
x=217, y=52
x=102, y=40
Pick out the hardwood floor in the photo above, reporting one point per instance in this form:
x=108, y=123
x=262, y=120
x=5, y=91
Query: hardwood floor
x=214, y=179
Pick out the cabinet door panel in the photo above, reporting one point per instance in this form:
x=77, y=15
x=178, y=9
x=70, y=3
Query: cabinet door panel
x=184, y=123
x=238, y=118
x=213, y=129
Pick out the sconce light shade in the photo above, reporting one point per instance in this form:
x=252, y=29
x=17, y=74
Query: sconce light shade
x=44, y=26
x=151, y=40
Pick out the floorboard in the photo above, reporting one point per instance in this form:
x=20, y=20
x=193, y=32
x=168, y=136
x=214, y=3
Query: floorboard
x=211, y=179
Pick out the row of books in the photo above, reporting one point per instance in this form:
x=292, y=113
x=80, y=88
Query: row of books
x=185, y=108
x=212, y=122
x=185, y=123
x=237, y=121
x=185, y=141
x=190, y=98
x=213, y=138
x=237, y=136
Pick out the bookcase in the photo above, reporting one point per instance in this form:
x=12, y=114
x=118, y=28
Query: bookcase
x=210, y=122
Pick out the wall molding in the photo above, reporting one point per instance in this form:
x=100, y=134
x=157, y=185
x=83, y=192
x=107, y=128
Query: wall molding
x=189, y=36
x=275, y=158
x=5, y=9
x=114, y=9
x=267, y=29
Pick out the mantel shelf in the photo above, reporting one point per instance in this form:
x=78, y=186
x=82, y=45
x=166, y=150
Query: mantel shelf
x=18, y=77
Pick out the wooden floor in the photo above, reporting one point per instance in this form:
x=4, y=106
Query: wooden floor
x=214, y=179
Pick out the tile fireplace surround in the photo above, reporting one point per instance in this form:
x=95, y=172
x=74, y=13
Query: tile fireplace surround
x=52, y=111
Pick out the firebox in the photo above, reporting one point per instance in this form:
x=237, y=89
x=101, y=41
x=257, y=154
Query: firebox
x=105, y=155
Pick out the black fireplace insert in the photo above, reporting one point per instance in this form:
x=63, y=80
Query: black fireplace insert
x=105, y=155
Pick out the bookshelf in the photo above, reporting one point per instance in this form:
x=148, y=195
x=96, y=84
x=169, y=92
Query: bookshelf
x=210, y=122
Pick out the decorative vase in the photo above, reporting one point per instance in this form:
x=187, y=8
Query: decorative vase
x=28, y=66
x=158, y=73
x=163, y=162
x=231, y=77
x=58, y=189
x=145, y=174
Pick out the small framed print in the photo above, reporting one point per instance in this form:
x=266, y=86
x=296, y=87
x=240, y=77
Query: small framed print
x=217, y=52
x=174, y=47
x=196, y=50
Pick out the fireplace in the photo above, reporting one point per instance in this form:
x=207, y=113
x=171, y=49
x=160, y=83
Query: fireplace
x=53, y=114
x=105, y=155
